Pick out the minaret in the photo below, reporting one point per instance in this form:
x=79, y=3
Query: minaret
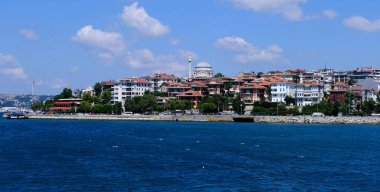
x=189, y=61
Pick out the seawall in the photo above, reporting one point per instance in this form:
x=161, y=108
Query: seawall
x=219, y=118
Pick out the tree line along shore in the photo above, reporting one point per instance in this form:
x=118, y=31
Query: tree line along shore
x=152, y=103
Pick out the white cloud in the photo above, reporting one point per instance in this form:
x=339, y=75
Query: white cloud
x=137, y=18
x=362, y=24
x=74, y=69
x=10, y=67
x=146, y=59
x=248, y=53
x=330, y=14
x=29, y=34
x=175, y=41
x=290, y=9
x=104, y=44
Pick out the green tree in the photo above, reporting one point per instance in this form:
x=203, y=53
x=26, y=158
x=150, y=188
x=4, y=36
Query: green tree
x=218, y=75
x=349, y=97
x=91, y=99
x=97, y=89
x=369, y=107
x=37, y=106
x=208, y=108
x=289, y=100
x=85, y=107
x=238, y=106
x=294, y=111
x=350, y=82
x=67, y=93
x=296, y=79
x=117, y=108
x=106, y=97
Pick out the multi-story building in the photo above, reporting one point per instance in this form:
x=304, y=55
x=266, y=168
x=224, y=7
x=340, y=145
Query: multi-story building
x=308, y=93
x=340, y=76
x=128, y=88
x=215, y=86
x=107, y=85
x=90, y=90
x=252, y=92
x=364, y=73
x=174, y=88
x=158, y=79
x=281, y=89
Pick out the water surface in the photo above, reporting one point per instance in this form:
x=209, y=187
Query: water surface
x=61, y=155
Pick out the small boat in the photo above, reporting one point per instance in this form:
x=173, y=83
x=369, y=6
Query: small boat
x=16, y=115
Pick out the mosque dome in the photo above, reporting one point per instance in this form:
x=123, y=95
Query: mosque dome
x=203, y=64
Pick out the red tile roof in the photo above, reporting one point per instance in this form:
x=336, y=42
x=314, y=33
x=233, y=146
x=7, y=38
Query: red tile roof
x=252, y=86
x=190, y=93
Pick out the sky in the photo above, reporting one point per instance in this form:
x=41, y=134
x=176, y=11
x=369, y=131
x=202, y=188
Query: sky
x=76, y=43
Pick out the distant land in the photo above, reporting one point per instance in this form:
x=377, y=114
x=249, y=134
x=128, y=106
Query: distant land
x=19, y=100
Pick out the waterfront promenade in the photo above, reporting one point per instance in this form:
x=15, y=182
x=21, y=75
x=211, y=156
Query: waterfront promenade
x=220, y=118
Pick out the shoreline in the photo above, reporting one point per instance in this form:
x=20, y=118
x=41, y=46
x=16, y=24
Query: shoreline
x=220, y=118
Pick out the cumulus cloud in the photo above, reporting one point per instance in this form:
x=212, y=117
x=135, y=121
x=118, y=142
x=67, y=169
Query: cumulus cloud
x=290, y=9
x=362, y=24
x=330, y=14
x=248, y=53
x=146, y=59
x=137, y=18
x=29, y=34
x=10, y=67
x=104, y=44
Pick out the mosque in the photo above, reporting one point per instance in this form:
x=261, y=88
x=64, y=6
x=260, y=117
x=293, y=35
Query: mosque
x=202, y=71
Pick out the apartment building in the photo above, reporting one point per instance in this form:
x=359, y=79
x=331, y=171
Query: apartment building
x=128, y=88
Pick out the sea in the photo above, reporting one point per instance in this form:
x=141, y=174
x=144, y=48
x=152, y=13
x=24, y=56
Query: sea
x=64, y=155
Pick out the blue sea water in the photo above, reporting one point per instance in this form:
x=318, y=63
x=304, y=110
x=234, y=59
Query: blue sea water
x=58, y=155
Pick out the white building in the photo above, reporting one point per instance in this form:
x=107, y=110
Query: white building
x=280, y=90
x=158, y=79
x=203, y=70
x=128, y=88
x=309, y=94
x=89, y=90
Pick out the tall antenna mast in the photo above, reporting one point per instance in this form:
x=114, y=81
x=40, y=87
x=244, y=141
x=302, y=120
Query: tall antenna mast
x=33, y=83
x=189, y=61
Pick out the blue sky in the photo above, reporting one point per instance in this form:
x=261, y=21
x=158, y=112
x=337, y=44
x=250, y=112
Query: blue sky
x=76, y=43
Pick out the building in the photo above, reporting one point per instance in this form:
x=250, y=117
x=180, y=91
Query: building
x=64, y=105
x=340, y=76
x=252, y=92
x=174, y=88
x=198, y=86
x=202, y=71
x=107, y=85
x=281, y=89
x=90, y=90
x=158, y=79
x=370, y=83
x=364, y=73
x=194, y=96
x=128, y=88
x=309, y=93
x=215, y=86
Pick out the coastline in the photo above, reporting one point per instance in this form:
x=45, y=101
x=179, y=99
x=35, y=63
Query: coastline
x=220, y=118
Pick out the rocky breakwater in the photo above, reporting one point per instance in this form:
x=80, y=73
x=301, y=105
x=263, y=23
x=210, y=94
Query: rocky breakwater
x=318, y=120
